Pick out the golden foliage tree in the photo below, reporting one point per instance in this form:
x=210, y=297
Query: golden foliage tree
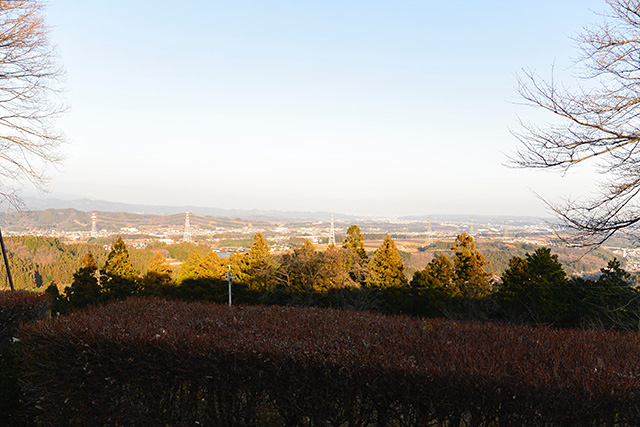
x=386, y=266
x=212, y=267
x=119, y=277
x=471, y=279
x=189, y=269
x=158, y=274
x=256, y=266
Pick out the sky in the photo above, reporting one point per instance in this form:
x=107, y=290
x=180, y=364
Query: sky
x=360, y=107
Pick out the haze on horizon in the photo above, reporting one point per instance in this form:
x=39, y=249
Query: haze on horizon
x=371, y=108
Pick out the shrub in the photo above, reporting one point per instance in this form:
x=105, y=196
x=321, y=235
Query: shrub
x=156, y=362
x=16, y=307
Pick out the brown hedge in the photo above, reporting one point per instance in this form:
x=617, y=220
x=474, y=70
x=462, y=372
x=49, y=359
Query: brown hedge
x=155, y=362
x=17, y=307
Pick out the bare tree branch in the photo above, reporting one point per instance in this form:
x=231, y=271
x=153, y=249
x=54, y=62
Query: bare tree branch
x=29, y=97
x=597, y=122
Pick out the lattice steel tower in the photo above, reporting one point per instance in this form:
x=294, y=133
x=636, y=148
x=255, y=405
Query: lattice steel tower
x=332, y=234
x=94, y=226
x=427, y=240
x=187, y=228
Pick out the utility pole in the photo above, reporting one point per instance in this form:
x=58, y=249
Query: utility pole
x=6, y=262
x=229, y=279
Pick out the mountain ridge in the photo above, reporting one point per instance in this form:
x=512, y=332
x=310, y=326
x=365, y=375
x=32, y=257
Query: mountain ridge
x=89, y=205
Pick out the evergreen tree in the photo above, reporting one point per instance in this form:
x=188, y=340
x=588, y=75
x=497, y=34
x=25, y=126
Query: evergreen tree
x=189, y=269
x=387, y=267
x=536, y=289
x=120, y=278
x=159, y=274
x=438, y=275
x=85, y=288
x=212, y=267
x=354, y=242
x=160, y=266
x=58, y=301
x=254, y=268
x=357, y=260
x=611, y=300
x=260, y=251
x=471, y=279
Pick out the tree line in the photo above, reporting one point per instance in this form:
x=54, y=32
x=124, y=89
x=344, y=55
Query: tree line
x=533, y=289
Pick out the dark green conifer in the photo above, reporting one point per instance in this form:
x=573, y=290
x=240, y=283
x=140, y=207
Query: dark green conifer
x=437, y=275
x=85, y=288
x=536, y=288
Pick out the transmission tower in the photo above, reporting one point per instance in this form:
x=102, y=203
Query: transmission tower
x=471, y=227
x=187, y=228
x=332, y=234
x=94, y=226
x=505, y=231
x=427, y=240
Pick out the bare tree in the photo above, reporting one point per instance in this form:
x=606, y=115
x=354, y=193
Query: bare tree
x=29, y=102
x=598, y=121
x=29, y=80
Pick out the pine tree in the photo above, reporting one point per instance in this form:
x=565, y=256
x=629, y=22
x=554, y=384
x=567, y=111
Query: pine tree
x=120, y=278
x=387, y=267
x=536, y=288
x=471, y=278
x=613, y=298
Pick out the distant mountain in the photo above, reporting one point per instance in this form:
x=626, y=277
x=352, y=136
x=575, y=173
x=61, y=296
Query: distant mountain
x=89, y=205
x=74, y=220
x=480, y=219
x=83, y=204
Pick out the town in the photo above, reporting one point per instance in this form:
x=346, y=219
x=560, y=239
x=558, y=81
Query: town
x=417, y=236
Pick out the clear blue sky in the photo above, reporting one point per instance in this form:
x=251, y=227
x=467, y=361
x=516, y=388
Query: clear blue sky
x=365, y=107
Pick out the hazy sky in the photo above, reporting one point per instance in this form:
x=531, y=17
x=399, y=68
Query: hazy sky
x=369, y=107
